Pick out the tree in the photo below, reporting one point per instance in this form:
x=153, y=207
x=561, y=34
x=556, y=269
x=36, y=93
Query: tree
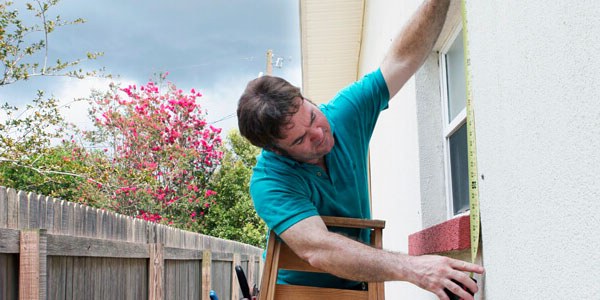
x=18, y=56
x=233, y=216
x=26, y=133
x=159, y=153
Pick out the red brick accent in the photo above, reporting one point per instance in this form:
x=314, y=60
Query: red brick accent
x=453, y=234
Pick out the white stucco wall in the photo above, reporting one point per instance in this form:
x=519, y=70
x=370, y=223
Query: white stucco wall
x=537, y=104
x=536, y=98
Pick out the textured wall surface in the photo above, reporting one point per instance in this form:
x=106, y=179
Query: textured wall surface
x=537, y=111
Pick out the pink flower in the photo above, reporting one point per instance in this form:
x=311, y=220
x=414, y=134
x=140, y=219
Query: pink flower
x=208, y=193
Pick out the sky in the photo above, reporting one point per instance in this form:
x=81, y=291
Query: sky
x=214, y=46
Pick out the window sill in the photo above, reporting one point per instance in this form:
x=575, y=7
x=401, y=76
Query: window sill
x=451, y=235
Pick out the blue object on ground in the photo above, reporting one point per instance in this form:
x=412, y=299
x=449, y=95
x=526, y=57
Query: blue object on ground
x=213, y=295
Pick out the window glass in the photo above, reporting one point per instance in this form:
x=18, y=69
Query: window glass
x=455, y=77
x=459, y=170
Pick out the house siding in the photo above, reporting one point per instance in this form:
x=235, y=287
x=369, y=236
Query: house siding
x=535, y=84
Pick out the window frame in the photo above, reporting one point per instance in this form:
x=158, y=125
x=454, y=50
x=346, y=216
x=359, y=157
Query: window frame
x=449, y=126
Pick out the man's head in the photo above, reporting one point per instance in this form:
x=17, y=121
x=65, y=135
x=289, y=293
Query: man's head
x=272, y=114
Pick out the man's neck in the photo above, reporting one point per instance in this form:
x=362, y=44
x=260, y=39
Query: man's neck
x=321, y=164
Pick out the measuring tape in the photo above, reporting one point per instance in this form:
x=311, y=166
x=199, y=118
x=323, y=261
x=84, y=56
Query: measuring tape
x=471, y=145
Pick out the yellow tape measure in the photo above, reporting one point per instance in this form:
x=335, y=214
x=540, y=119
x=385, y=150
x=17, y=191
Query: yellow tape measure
x=471, y=145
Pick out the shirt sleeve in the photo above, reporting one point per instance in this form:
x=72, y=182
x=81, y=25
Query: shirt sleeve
x=280, y=199
x=359, y=104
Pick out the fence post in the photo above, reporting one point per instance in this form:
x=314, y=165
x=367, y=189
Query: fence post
x=32, y=264
x=206, y=273
x=156, y=272
x=235, y=294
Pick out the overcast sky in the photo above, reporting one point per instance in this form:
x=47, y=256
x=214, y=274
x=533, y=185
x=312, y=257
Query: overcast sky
x=215, y=46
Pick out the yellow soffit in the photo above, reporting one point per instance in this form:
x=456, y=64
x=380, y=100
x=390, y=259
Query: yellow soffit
x=330, y=33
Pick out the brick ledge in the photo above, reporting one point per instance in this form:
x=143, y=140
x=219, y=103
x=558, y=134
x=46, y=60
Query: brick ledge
x=451, y=235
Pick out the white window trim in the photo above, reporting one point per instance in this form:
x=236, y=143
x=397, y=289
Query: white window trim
x=449, y=126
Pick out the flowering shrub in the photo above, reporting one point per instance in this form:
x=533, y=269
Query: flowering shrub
x=159, y=153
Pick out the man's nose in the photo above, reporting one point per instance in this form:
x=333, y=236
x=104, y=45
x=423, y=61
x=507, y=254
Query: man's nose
x=316, y=134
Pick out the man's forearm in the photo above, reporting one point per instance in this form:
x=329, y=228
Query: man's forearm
x=414, y=43
x=353, y=260
x=418, y=36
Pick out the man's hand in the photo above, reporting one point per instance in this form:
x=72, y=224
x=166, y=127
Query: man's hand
x=435, y=273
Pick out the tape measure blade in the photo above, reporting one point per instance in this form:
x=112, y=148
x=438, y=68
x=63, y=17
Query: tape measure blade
x=471, y=143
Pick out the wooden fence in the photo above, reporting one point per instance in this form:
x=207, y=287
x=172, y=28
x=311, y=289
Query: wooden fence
x=54, y=249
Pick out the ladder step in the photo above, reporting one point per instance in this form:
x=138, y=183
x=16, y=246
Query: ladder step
x=296, y=292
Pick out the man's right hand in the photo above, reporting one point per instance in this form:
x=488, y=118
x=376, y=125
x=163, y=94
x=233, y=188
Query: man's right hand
x=435, y=273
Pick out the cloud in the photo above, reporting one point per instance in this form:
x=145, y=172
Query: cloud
x=221, y=99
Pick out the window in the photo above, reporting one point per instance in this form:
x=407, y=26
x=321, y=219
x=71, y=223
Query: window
x=455, y=130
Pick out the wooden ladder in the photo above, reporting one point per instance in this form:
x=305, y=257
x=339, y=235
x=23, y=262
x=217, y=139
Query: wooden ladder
x=280, y=256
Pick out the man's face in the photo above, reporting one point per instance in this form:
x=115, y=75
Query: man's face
x=308, y=135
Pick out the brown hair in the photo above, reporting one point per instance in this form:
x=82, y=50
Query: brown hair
x=264, y=108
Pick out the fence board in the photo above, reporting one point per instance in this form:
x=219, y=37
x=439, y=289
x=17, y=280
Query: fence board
x=29, y=265
x=55, y=278
x=105, y=227
x=57, y=207
x=91, y=219
x=41, y=212
x=129, y=280
x=120, y=276
x=235, y=287
x=221, y=278
x=78, y=219
x=23, y=218
x=12, y=205
x=82, y=246
x=90, y=277
x=43, y=281
x=157, y=272
x=3, y=208
x=49, y=223
x=78, y=278
x=177, y=285
x=96, y=278
x=69, y=278
x=206, y=274
x=113, y=226
x=64, y=210
x=104, y=277
x=251, y=271
x=9, y=240
x=169, y=280
x=114, y=265
x=195, y=280
x=34, y=211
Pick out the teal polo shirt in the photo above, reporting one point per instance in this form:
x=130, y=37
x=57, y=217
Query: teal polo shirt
x=285, y=191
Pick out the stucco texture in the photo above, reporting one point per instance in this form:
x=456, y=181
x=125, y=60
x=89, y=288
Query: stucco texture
x=536, y=97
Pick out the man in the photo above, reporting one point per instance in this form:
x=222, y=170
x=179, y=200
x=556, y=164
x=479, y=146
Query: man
x=314, y=162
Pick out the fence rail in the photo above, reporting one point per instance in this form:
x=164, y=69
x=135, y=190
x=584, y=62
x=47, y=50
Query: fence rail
x=54, y=249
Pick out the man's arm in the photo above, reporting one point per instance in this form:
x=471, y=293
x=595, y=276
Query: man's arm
x=413, y=44
x=346, y=258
